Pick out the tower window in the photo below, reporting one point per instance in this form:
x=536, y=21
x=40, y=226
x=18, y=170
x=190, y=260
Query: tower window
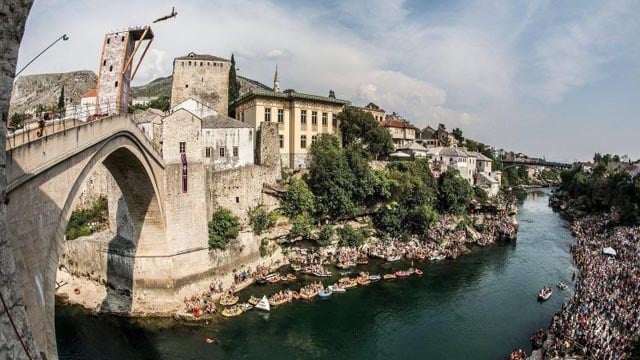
x=186, y=86
x=237, y=199
x=183, y=147
x=111, y=68
x=189, y=63
x=104, y=63
x=221, y=152
x=207, y=152
x=122, y=38
x=108, y=41
x=235, y=151
x=116, y=84
x=200, y=63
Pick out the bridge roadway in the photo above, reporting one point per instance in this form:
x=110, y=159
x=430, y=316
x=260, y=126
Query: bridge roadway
x=44, y=177
x=549, y=164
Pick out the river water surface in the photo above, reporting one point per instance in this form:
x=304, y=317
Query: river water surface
x=480, y=306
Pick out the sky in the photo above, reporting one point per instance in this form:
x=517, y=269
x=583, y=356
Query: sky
x=556, y=79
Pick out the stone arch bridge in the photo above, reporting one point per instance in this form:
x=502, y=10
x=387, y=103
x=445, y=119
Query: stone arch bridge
x=44, y=178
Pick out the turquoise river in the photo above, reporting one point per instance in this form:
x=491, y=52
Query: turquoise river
x=480, y=306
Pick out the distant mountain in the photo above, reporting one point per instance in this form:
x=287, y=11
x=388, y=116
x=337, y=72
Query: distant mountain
x=158, y=87
x=31, y=90
x=162, y=86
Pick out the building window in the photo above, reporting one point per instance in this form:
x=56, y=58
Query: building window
x=314, y=138
x=334, y=120
x=235, y=151
x=116, y=84
x=221, y=152
x=280, y=115
x=303, y=141
x=237, y=200
x=186, y=86
x=183, y=147
x=242, y=116
x=208, y=151
x=200, y=63
x=314, y=118
x=303, y=116
x=267, y=114
x=122, y=38
x=189, y=63
x=111, y=68
x=281, y=137
x=104, y=63
x=108, y=41
x=325, y=119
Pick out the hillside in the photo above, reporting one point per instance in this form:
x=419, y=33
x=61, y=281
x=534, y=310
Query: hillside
x=162, y=86
x=31, y=90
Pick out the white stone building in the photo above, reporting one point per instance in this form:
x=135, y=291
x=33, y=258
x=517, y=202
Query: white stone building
x=195, y=106
x=228, y=143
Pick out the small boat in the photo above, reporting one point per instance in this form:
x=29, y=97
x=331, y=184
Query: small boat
x=278, y=302
x=545, y=293
x=374, y=277
x=362, y=261
x=231, y=312
x=291, y=277
x=229, y=300
x=419, y=272
x=263, y=304
x=295, y=267
x=393, y=258
x=284, y=278
x=295, y=295
x=274, y=279
x=319, y=274
x=562, y=286
x=401, y=273
x=389, y=276
x=345, y=265
x=363, y=281
x=325, y=293
x=437, y=257
x=253, y=300
x=245, y=306
x=306, y=296
x=337, y=289
x=261, y=281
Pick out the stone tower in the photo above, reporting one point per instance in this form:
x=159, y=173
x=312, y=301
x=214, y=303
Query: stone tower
x=203, y=77
x=276, y=81
x=116, y=68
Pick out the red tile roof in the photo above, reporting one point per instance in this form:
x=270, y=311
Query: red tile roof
x=91, y=93
x=396, y=124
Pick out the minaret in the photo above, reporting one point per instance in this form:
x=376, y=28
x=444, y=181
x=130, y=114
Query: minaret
x=276, y=82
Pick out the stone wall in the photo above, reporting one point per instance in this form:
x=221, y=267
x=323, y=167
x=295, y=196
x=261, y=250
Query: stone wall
x=206, y=80
x=16, y=338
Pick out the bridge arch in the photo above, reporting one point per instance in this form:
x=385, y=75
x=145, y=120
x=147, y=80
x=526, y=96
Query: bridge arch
x=38, y=230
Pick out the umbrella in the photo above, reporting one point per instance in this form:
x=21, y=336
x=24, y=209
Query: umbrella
x=609, y=251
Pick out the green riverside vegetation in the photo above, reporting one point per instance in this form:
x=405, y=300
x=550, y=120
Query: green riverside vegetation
x=223, y=227
x=607, y=187
x=84, y=222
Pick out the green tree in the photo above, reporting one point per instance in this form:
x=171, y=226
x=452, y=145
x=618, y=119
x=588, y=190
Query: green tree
x=330, y=179
x=351, y=237
x=223, y=227
x=261, y=220
x=325, y=235
x=454, y=193
x=358, y=126
x=301, y=227
x=61, y=100
x=17, y=120
x=84, y=222
x=480, y=194
x=161, y=103
x=234, y=84
x=421, y=218
x=298, y=199
x=457, y=133
x=390, y=223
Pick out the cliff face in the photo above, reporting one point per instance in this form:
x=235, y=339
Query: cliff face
x=31, y=90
